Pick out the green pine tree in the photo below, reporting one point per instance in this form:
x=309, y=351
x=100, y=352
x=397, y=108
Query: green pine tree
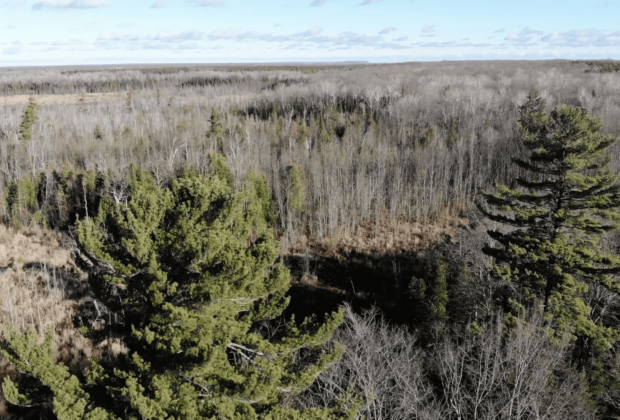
x=297, y=188
x=190, y=271
x=440, y=299
x=28, y=119
x=215, y=131
x=324, y=133
x=557, y=216
x=452, y=134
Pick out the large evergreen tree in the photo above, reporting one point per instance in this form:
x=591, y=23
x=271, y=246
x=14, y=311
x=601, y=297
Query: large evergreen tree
x=189, y=272
x=556, y=217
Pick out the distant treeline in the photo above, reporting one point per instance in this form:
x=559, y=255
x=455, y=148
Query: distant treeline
x=605, y=66
x=120, y=80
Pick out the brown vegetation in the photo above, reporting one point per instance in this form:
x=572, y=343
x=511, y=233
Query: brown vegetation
x=40, y=291
x=385, y=237
x=84, y=98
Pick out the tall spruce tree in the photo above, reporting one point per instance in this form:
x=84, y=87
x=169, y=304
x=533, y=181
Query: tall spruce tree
x=190, y=273
x=552, y=250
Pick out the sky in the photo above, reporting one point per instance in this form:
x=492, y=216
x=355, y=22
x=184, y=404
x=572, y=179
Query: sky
x=73, y=32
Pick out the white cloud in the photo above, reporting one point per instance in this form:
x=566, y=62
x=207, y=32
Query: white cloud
x=309, y=39
x=500, y=30
x=524, y=36
x=175, y=42
x=313, y=36
x=70, y=4
x=367, y=2
x=124, y=25
x=71, y=42
x=387, y=30
x=317, y=3
x=428, y=31
x=220, y=34
x=453, y=44
x=180, y=37
x=165, y=37
x=207, y=3
x=15, y=48
x=315, y=30
x=582, y=38
x=58, y=45
x=158, y=46
x=159, y=4
x=13, y=4
x=118, y=36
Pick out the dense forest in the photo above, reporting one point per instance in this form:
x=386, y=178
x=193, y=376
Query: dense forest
x=405, y=241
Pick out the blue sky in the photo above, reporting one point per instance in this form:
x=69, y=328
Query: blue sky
x=59, y=32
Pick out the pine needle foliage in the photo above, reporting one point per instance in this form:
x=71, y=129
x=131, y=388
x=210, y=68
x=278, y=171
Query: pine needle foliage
x=190, y=271
x=552, y=250
x=220, y=169
x=215, y=130
x=29, y=117
x=440, y=300
x=70, y=401
x=297, y=188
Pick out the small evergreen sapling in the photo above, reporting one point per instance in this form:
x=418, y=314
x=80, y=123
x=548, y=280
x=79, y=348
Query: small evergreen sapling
x=557, y=216
x=190, y=272
x=215, y=130
x=28, y=119
x=297, y=188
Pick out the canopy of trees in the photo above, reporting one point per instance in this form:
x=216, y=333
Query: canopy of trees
x=189, y=273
